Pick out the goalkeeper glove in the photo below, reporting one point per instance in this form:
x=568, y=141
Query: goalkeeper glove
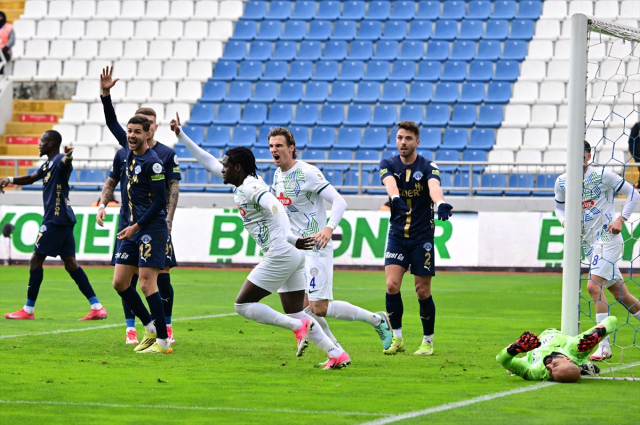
x=526, y=342
x=444, y=211
x=590, y=340
x=589, y=369
x=399, y=206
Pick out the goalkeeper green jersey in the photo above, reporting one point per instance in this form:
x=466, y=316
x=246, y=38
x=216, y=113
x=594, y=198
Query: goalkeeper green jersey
x=531, y=367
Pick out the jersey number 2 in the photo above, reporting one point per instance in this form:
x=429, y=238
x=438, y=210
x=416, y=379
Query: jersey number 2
x=146, y=253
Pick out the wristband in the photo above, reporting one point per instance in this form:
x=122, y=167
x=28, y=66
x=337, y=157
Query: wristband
x=10, y=179
x=394, y=197
x=439, y=203
x=102, y=206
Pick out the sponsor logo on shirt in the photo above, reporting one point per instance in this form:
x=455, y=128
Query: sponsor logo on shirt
x=176, y=170
x=383, y=172
x=284, y=200
x=587, y=205
x=242, y=211
x=394, y=255
x=157, y=177
x=434, y=165
x=435, y=173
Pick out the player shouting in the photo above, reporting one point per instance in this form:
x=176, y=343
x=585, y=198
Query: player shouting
x=413, y=184
x=601, y=239
x=282, y=267
x=302, y=189
x=56, y=233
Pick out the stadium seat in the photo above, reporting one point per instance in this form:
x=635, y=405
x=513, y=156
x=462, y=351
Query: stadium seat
x=536, y=138
x=462, y=181
x=489, y=116
x=374, y=138
x=413, y=113
x=488, y=50
x=228, y=114
x=294, y=30
x=284, y=51
x=339, y=155
x=331, y=115
x=386, y=51
x=335, y=50
x=454, y=71
x=243, y=136
x=316, y=92
x=279, y=10
x=263, y=136
x=263, y=153
x=446, y=93
x=218, y=137
x=472, y=93
x=327, y=70
x=367, y=93
x=239, y=92
x=328, y=10
x=455, y=139
x=463, y=116
x=321, y=138
x=260, y=50
x=420, y=92
x=403, y=71
x=514, y=50
x=545, y=181
x=507, y=71
x=504, y=10
x=234, y=51
x=520, y=181
x=274, y=71
x=384, y=116
x=280, y=115
x=304, y=10
x=498, y=93
x=430, y=140
x=342, y=92
x=529, y=161
x=301, y=134
x=446, y=30
x=367, y=155
x=482, y=139
x=215, y=179
x=254, y=114
x=453, y=10
x=249, y=71
x=492, y=180
x=419, y=30
x=429, y=71
x=393, y=92
x=463, y=51
x=447, y=155
x=378, y=10
x=254, y=10
x=225, y=71
x=436, y=116
x=203, y=114
x=353, y=10
x=195, y=133
x=395, y=30
x=351, y=71
x=290, y=93
x=522, y=29
x=310, y=50
x=245, y=30
x=352, y=178
x=360, y=50
x=414, y=50
x=358, y=116
x=377, y=71
x=348, y=138
x=319, y=31
x=344, y=30
x=301, y=71
x=335, y=178
x=480, y=71
x=306, y=115
x=473, y=155
x=479, y=10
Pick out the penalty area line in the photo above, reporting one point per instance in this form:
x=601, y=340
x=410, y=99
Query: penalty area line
x=229, y=409
x=115, y=325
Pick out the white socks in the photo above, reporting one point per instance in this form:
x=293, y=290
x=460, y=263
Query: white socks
x=163, y=342
x=342, y=310
x=318, y=337
x=96, y=306
x=637, y=315
x=28, y=309
x=397, y=333
x=262, y=313
x=130, y=329
x=427, y=338
x=322, y=323
x=151, y=327
x=599, y=318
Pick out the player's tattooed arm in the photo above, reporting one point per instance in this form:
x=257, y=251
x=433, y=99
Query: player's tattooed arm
x=174, y=193
x=105, y=198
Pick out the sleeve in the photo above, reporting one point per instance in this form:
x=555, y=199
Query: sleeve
x=268, y=201
x=514, y=365
x=339, y=205
x=155, y=172
x=385, y=169
x=114, y=172
x=559, y=191
x=112, y=121
x=40, y=171
x=632, y=199
x=209, y=161
x=560, y=212
x=433, y=172
x=634, y=141
x=315, y=181
x=612, y=180
x=171, y=167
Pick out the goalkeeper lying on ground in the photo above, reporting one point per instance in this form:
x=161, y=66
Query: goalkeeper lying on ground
x=555, y=356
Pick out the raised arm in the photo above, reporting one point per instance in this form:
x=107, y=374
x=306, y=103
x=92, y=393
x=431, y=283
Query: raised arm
x=107, y=82
x=68, y=156
x=22, y=180
x=209, y=161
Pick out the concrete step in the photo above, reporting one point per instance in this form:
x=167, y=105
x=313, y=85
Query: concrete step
x=23, y=128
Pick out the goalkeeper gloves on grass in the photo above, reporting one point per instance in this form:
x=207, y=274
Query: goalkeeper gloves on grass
x=589, y=369
x=590, y=340
x=526, y=342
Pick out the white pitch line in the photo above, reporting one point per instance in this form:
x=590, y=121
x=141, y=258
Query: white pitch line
x=115, y=325
x=230, y=409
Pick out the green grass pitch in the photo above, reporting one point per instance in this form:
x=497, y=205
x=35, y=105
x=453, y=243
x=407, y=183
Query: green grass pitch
x=228, y=370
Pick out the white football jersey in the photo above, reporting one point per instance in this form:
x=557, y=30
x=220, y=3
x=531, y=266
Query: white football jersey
x=260, y=224
x=599, y=188
x=298, y=189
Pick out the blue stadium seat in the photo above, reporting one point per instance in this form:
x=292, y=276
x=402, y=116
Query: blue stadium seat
x=447, y=155
x=455, y=138
x=529, y=10
x=202, y=114
x=263, y=136
x=403, y=71
x=316, y=92
x=322, y=138
x=430, y=140
x=331, y=115
x=280, y=115
x=335, y=178
x=344, y=30
x=214, y=91
x=420, y=92
x=181, y=152
x=352, y=71
x=543, y=181
x=218, y=136
x=414, y=50
x=326, y=71
x=507, y=71
x=266, y=92
x=515, y=50
x=250, y=71
x=436, y=50
x=243, y=136
x=328, y=10
x=239, y=91
x=352, y=178
x=262, y=153
x=267, y=176
x=228, y=114
x=522, y=29
x=337, y=154
x=217, y=180
x=463, y=51
x=335, y=50
x=90, y=175
x=306, y=115
x=195, y=175
x=379, y=10
x=391, y=142
x=304, y=10
x=358, y=116
x=384, y=116
x=294, y=30
x=225, y=70
x=319, y=31
x=454, y=71
x=463, y=116
x=480, y=71
x=215, y=151
x=310, y=50
x=490, y=180
x=475, y=156
x=73, y=178
x=424, y=153
x=367, y=93
x=479, y=10
x=368, y=155
x=260, y=50
x=461, y=181
x=482, y=139
x=446, y=93
x=445, y=30
x=269, y=31
x=472, y=93
x=386, y=50
x=374, y=138
x=244, y=31
x=254, y=114
x=453, y=10
x=388, y=153
x=255, y=10
x=498, y=93
x=429, y=71
x=490, y=116
x=393, y=92
x=395, y=30
x=234, y=51
x=428, y=10
x=520, y=181
x=342, y=92
x=313, y=155
x=419, y=30
x=301, y=134
x=300, y=71
x=504, y=10
x=471, y=30
x=348, y=138
x=403, y=10
x=360, y=50
x=497, y=29
x=370, y=30
x=353, y=10
x=488, y=50
x=290, y=93
x=377, y=71
x=413, y=113
x=195, y=133
x=279, y=10
x=275, y=71
x=437, y=116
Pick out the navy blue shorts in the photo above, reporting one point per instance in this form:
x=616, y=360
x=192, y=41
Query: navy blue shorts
x=417, y=253
x=116, y=249
x=169, y=254
x=56, y=239
x=145, y=249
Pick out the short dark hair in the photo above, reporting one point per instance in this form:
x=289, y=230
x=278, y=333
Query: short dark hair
x=244, y=158
x=587, y=146
x=147, y=111
x=410, y=126
x=288, y=136
x=143, y=121
x=53, y=136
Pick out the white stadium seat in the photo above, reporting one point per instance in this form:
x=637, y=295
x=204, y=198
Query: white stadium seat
x=561, y=51
x=558, y=139
x=498, y=156
x=36, y=49
x=135, y=49
x=620, y=49
x=540, y=49
x=110, y=50
x=18, y=49
x=220, y=30
x=157, y=107
x=210, y=50
x=96, y=30
x=133, y=9
x=82, y=151
x=157, y=10
x=109, y=9
x=536, y=139
x=104, y=153
x=83, y=9
x=181, y=10
x=59, y=9
x=183, y=109
x=121, y=30
x=543, y=116
x=581, y=6
x=35, y=9
x=528, y=156
x=74, y=113
x=200, y=70
x=552, y=92
x=171, y=30
x=189, y=91
x=163, y=91
x=629, y=9
x=146, y=30
x=195, y=30
x=165, y=136
x=88, y=134
x=185, y=49
x=516, y=116
x=137, y=91
x=87, y=91
x=174, y=70
x=558, y=70
x=207, y=10
x=149, y=70
x=48, y=29
x=509, y=139
x=72, y=30
x=124, y=111
x=606, y=9
x=612, y=69
x=24, y=29
x=24, y=70
x=95, y=68
x=48, y=70
x=73, y=70
x=67, y=131
x=556, y=9
x=533, y=70
x=230, y=10
x=125, y=69
x=108, y=139
x=555, y=161
x=547, y=29
x=95, y=114
x=563, y=113
x=612, y=160
x=525, y=92
x=86, y=49
x=160, y=49
x=61, y=49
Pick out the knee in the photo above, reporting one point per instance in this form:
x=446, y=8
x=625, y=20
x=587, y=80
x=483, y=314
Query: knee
x=70, y=267
x=242, y=309
x=35, y=262
x=423, y=293
x=392, y=287
x=319, y=310
x=594, y=288
x=119, y=286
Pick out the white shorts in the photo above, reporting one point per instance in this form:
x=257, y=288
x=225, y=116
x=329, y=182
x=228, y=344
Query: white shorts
x=319, y=270
x=282, y=272
x=604, y=262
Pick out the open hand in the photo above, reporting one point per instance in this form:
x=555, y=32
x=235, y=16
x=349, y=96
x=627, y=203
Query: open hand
x=175, y=125
x=615, y=227
x=3, y=183
x=100, y=217
x=527, y=342
x=305, y=244
x=106, y=80
x=323, y=237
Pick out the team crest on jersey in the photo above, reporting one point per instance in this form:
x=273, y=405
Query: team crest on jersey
x=427, y=246
x=43, y=228
x=314, y=271
x=145, y=239
x=284, y=200
x=418, y=175
x=138, y=169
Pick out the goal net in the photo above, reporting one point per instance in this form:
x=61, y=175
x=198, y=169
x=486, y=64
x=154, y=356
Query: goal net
x=601, y=273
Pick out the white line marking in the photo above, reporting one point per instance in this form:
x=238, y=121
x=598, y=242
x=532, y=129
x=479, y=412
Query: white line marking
x=232, y=409
x=63, y=331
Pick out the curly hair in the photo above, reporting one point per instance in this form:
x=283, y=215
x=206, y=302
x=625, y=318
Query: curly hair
x=243, y=157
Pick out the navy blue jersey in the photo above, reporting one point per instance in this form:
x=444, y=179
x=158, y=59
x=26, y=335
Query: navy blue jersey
x=118, y=173
x=414, y=190
x=146, y=192
x=55, y=191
